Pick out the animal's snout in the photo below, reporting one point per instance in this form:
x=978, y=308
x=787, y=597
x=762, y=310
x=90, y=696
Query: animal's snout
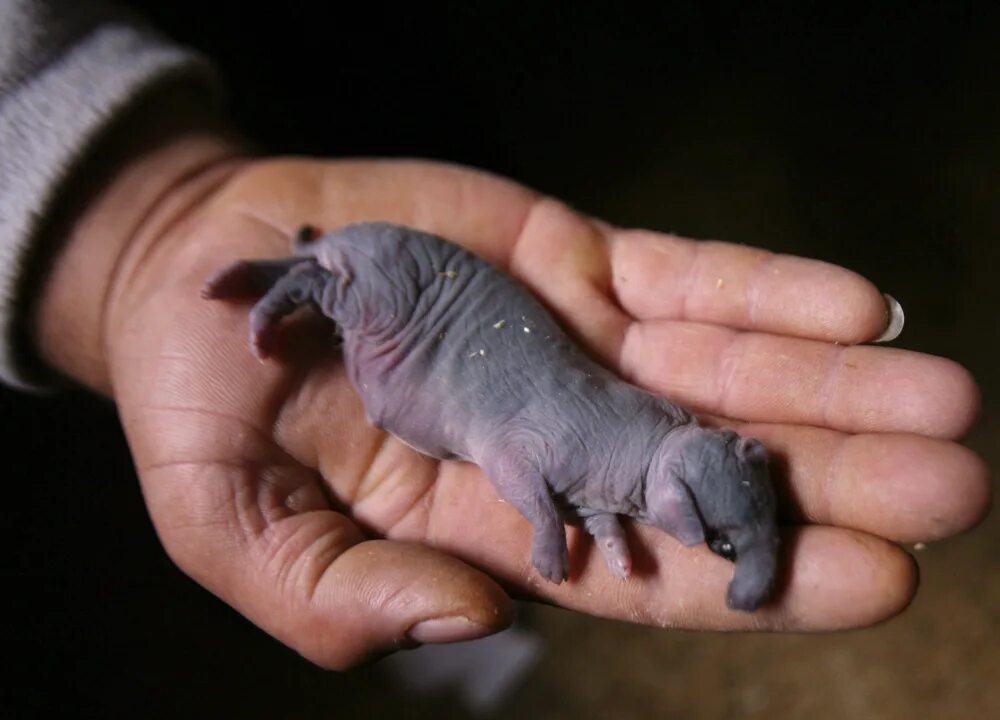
x=753, y=581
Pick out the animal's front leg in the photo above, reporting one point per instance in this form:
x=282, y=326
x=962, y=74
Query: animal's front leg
x=298, y=287
x=610, y=538
x=524, y=487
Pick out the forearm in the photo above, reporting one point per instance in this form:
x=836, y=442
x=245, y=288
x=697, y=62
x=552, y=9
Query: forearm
x=99, y=117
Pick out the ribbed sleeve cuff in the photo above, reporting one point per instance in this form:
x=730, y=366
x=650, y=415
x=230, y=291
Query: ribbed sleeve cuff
x=48, y=120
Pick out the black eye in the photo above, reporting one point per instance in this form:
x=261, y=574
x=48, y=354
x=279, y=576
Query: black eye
x=720, y=545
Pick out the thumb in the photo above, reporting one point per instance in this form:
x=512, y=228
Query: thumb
x=378, y=596
x=313, y=582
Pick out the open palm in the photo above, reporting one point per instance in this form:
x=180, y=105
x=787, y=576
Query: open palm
x=267, y=485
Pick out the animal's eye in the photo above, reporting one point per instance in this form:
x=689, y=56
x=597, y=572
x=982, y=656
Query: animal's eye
x=720, y=545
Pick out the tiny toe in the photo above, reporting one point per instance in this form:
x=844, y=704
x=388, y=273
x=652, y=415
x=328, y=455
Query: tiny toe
x=552, y=573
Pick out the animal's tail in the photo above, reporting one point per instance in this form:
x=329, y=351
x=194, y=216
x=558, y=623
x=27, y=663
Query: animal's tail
x=248, y=278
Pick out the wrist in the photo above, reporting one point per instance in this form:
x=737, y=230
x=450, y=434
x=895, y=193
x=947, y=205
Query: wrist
x=152, y=170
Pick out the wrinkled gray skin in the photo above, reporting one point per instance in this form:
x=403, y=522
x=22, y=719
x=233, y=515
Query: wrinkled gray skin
x=459, y=361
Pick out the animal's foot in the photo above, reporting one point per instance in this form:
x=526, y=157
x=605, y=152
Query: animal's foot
x=616, y=555
x=610, y=538
x=551, y=561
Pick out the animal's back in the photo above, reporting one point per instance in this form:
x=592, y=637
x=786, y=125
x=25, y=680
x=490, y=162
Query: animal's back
x=481, y=356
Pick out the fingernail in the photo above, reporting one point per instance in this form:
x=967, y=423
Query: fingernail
x=447, y=630
x=896, y=320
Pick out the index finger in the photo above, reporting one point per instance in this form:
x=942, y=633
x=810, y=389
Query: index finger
x=664, y=277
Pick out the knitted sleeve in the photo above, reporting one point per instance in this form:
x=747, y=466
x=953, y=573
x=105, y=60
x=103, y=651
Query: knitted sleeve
x=68, y=69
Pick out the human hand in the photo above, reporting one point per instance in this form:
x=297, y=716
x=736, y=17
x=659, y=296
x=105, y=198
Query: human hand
x=267, y=486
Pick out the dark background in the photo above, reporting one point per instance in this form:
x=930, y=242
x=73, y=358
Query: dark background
x=870, y=139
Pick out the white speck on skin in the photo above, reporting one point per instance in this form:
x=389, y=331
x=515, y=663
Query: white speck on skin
x=482, y=352
x=719, y=283
x=920, y=546
x=449, y=273
x=527, y=329
x=500, y=324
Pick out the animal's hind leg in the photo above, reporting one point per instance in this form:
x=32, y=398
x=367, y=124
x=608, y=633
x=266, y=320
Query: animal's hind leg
x=521, y=484
x=248, y=278
x=300, y=286
x=610, y=538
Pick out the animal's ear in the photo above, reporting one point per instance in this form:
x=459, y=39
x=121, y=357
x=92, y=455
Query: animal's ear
x=331, y=258
x=751, y=449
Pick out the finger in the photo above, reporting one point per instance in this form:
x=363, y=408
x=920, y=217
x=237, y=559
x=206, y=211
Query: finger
x=768, y=378
x=906, y=488
x=665, y=277
x=830, y=578
x=309, y=578
x=483, y=212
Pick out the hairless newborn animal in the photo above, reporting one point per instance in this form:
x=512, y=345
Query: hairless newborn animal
x=459, y=361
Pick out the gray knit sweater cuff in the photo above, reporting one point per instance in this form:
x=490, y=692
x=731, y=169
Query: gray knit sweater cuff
x=67, y=71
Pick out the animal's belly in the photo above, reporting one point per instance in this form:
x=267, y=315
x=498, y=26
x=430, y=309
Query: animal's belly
x=418, y=421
